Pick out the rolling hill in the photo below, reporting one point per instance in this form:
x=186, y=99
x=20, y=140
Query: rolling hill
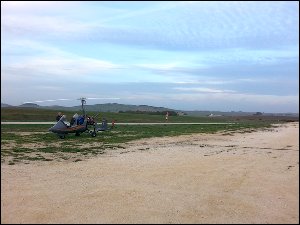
x=115, y=107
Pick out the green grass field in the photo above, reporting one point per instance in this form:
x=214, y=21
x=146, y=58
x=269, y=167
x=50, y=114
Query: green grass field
x=25, y=143
x=32, y=114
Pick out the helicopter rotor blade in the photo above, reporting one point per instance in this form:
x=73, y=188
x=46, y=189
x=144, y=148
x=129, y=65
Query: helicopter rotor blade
x=63, y=99
x=102, y=98
x=49, y=100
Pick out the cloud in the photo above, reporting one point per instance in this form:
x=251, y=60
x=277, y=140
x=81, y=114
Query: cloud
x=45, y=27
x=186, y=26
x=40, y=60
x=202, y=89
x=213, y=52
x=222, y=101
x=238, y=102
x=241, y=98
x=192, y=27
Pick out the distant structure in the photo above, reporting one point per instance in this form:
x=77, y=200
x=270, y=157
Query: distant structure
x=212, y=115
x=181, y=114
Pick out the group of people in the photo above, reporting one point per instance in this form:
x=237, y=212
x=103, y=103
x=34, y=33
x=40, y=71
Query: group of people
x=79, y=119
x=59, y=115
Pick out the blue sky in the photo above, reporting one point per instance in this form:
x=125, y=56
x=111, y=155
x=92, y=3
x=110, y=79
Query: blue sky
x=227, y=56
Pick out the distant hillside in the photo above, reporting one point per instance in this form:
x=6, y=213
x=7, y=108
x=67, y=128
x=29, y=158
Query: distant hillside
x=115, y=107
x=110, y=107
x=3, y=105
x=30, y=105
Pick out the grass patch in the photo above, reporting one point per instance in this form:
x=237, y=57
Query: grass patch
x=46, y=146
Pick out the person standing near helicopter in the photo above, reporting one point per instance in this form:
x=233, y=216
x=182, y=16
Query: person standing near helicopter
x=59, y=115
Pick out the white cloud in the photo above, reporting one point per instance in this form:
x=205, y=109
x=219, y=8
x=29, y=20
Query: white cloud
x=45, y=61
x=172, y=66
x=31, y=6
x=202, y=89
x=59, y=67
x=233, y=25
x=239, y=98
x=215, y=101
x=213, y=48
x=161, y=66
x=236, y=102
x=45, y=26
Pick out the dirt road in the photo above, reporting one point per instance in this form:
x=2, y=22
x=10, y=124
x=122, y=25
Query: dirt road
x=203, y=178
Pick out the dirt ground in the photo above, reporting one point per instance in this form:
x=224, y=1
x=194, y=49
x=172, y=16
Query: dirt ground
x=202, y=178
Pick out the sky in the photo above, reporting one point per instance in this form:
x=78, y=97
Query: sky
x=189, y=55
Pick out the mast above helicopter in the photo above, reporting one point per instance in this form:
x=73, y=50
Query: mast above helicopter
x=83, y=102
x=82, y=99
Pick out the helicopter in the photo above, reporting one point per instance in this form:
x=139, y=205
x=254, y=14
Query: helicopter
x=79, y=123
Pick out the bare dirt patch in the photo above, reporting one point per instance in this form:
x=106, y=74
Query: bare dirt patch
x=200, y=178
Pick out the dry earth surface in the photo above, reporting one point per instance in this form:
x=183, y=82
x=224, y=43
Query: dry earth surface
x=202, y=178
